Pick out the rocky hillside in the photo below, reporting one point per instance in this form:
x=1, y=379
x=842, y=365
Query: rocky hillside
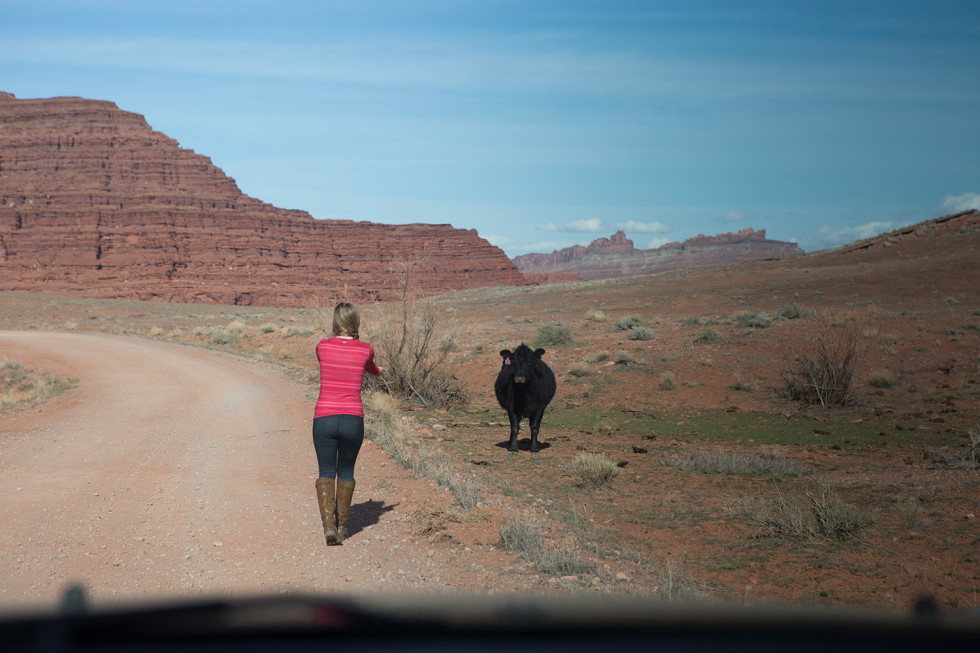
x=616, y=257
x=94, y=202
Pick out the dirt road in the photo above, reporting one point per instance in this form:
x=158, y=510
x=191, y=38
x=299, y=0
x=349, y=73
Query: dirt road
x=172, y=471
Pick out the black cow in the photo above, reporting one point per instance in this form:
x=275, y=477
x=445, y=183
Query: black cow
x=524, y=387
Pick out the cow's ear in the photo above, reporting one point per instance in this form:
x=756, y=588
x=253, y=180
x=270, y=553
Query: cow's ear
x=538, y=353
x=505, y=353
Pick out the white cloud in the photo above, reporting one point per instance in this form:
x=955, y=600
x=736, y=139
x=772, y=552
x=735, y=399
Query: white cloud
x=644, y=227
x=958, y=203
x=834, y=236
x=733, y=216
x=592, y=225
x=657, y=242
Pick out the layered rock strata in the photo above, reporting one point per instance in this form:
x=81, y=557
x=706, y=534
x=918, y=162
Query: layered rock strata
x=617, y=257
x=93, y=202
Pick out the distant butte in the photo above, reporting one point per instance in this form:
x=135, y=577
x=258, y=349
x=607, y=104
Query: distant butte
x=93, y=202
x=616, y=256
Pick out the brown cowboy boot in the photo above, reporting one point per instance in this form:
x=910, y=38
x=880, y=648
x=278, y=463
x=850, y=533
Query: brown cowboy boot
x=326, y=497
x=345, y=492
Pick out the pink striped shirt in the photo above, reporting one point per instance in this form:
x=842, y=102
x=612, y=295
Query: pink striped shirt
x=343, y=363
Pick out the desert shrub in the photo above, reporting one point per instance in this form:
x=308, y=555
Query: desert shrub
x=155, y=332
x=793, y=311
x=268, y=328
x=667, y=381
x=641, y=333
x=753, y=320
x=579, y=369
x=414, y=348
x=707, y=337
x=592, y=470
x=552, y=334
x=595, y=315
x=625, y=358
x=882, y=379
x=524, y=537
x=691, y=321
x=598, y=357
x=741, y=385
x=968, y=458
x=221, y=336
x=819, y=367
x=628, y=323
x=413, y=344
x=21, y=387
x=835, y=519
x=825, y=515
x=235, y=327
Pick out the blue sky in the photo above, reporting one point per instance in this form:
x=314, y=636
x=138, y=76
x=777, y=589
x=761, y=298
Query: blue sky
x=542, y=124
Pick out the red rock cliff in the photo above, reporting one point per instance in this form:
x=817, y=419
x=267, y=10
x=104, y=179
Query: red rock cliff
x=94, y=202
x=616, y=257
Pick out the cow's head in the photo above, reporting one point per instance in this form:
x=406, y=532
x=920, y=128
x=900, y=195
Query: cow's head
x=521, y=361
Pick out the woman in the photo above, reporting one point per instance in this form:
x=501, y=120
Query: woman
x=338, y=421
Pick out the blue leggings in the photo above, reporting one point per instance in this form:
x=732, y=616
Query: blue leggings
x=337, y=440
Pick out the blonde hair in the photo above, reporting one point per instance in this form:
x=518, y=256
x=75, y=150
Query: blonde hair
x=346, y=320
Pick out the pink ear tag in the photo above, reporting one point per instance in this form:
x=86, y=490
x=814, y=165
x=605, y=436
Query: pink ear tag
x=506, y=361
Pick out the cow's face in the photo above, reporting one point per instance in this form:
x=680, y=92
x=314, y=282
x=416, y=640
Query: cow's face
x=521, y=361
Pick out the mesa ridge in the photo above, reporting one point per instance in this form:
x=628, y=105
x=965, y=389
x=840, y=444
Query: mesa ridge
x=93, y=202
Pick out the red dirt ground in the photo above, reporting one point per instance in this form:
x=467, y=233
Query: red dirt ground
x=656, y=529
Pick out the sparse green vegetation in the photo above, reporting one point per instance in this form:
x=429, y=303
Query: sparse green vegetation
x=793, y=311
x=628, y=323
x=753, y=320
x=627, y=359
x=598, y=357
x=642, y=333
x=882, y=379
x=739, y=464
x=579, y=369
x=553, y=334
x=707, y=337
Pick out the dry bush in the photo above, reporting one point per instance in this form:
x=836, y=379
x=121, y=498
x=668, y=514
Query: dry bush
x=598, y=357
x=579, y=369
x=23, y=387
x=552, y=334
x=819, y=366
x=523, y=535
x=592, y=470
x=642, y=333
x=595, y=315
x=827, y=516
x=753, y=320
x=945, y=458
x=414, y=344
x=707, y=337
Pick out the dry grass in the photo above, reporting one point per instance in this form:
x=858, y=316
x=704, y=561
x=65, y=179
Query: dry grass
x=592, y=470
x=21, y=387
x=524, y=536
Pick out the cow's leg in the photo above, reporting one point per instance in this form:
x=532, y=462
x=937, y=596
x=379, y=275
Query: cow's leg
x=535, y=425
x=515, y=427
